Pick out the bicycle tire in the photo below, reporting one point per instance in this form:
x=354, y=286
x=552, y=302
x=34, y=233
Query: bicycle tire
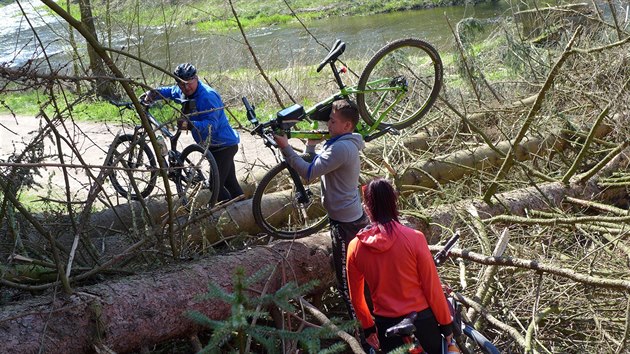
x=277, y=211
x=411, y=59
x=198, y=171
x=138, y=175
x=483, y=343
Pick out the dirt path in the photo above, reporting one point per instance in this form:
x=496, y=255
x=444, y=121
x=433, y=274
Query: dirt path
x=92, y=141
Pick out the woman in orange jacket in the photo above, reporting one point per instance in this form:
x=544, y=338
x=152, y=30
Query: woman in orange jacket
x=395, y=262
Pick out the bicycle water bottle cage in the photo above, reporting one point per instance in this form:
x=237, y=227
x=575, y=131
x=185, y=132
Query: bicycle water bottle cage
x=403, y=328
x=290, y=116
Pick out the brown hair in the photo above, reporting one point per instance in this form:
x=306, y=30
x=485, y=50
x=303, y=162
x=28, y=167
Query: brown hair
x=348, y=110
x=379, y=198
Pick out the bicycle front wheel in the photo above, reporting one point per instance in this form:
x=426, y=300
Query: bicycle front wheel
x=279, y=209
x=135, y=172
x=400, y=83
x=484, y=345
x=197, y=177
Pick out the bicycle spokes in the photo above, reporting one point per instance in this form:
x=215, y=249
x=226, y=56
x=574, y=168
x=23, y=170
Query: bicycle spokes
x=134, y=172
x=196, y=176
x=287, y=211
x=399, y=83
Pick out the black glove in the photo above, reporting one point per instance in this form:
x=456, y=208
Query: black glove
x=369, y=330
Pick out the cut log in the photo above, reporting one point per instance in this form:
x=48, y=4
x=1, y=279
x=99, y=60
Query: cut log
x=541, y=197
x=454, y=166
x=237, y=218
x=149, y=308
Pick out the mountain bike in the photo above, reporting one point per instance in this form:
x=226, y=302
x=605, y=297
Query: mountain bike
x=396, y=88
x=136, y=169
x=461, y=325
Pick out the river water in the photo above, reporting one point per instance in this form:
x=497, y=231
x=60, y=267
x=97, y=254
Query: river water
x=283, y=46
x=276, y=46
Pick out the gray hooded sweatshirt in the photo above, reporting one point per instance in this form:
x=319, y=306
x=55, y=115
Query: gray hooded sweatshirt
x=338, y=165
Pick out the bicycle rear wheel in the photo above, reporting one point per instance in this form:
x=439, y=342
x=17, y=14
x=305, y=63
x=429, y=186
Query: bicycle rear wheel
x=197, y=177
x=278, y=211
x=135, y=173
x=402, y=80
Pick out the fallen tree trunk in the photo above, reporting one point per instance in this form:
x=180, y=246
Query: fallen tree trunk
x=541, y=197
x=454, y=166
x=146, y=309
x=237, y=218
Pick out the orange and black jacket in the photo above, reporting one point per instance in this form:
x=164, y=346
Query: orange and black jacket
x=400, y=273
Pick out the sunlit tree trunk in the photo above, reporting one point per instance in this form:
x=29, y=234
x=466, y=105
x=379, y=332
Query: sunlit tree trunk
x=102, y=88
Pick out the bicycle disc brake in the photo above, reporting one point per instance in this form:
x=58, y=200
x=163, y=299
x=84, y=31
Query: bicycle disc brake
x=303, y=202
x=400, y=81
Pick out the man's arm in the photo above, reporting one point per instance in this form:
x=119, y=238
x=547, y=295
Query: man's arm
x=157, y=94
x=292, y=158
x=329, y=160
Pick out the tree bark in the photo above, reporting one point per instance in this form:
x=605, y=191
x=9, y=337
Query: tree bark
x=541, y=197
x=454, y=166
x=103, y=88
x=146, y=309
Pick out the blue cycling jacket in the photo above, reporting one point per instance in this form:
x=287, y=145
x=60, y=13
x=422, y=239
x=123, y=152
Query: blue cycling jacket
x=205, y=117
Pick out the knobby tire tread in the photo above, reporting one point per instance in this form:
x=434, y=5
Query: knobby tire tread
x=387, y=49
x=152, y=161
x=257, y=208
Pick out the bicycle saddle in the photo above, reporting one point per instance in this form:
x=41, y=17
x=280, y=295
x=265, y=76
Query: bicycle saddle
x=337, y=49
x=404, y=327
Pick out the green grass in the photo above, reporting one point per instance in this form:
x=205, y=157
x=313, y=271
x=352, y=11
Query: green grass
x=29, y=103
x=216, y=15
x=21, y=102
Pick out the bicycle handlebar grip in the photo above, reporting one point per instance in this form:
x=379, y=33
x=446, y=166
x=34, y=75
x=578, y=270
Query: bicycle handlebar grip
x=441, y=256
x=451, y=242
x=251, y=114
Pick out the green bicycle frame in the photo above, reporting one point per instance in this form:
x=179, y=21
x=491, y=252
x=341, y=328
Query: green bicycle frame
x=362, y=128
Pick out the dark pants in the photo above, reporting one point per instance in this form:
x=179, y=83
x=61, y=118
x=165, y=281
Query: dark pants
x=342, y=233
x=224, y=157
x=427, y=332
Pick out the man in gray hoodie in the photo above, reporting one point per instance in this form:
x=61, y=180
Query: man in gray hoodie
x=338, y=165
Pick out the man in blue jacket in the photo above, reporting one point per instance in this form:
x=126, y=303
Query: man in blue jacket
x=207, y=122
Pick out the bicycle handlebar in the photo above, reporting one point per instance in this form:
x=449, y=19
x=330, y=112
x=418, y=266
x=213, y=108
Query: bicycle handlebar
x=442, y=255
x=251, y=114
x=152, y=120
x=260, y=129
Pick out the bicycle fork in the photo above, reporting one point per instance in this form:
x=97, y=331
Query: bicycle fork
x=302, y=195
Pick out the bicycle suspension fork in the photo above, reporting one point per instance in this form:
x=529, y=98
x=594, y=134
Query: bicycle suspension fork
x=303, y=196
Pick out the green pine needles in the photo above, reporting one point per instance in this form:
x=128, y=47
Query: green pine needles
x=247, y=312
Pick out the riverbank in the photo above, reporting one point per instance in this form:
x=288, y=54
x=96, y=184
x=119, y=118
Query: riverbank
x=217, y=15
x=287, y=53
